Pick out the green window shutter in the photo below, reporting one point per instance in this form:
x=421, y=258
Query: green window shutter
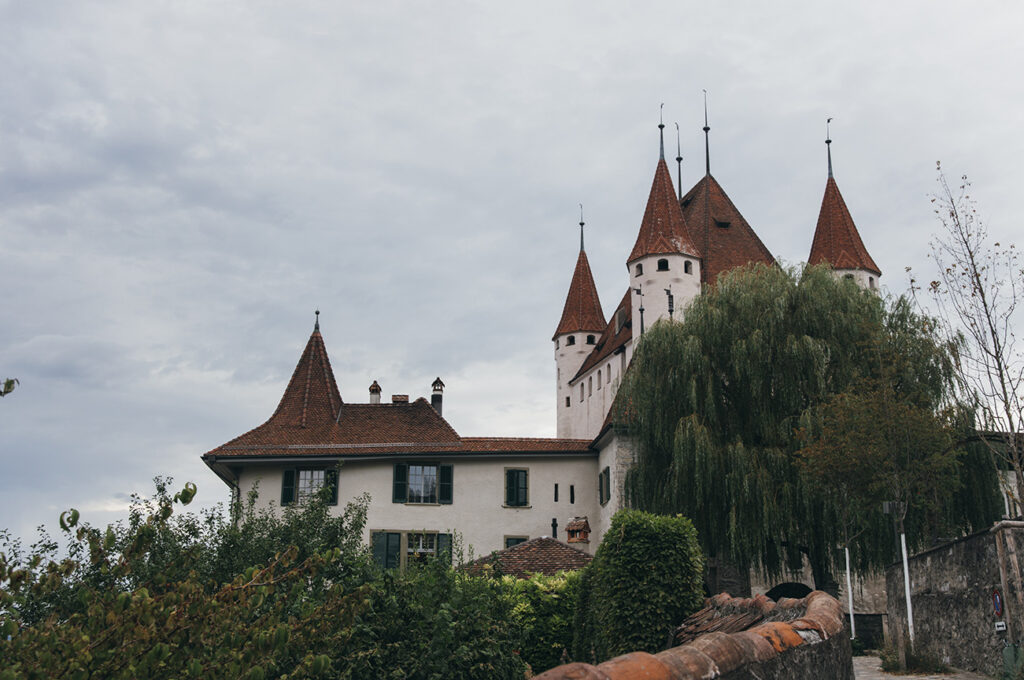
x=444, y=547
x=523, y=496
x=398, y=488
x=445, y=484
x=288, y=487
x=510, y=487
x=393, y=550
x=331, y=480
x=378, y=546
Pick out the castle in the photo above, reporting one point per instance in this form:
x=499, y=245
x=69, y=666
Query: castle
x=427, y=482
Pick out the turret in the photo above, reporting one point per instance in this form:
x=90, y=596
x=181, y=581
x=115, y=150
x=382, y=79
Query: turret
x=578, y=330
x=836, y=239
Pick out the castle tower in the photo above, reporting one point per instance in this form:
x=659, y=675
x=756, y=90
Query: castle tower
x=836, y=239
x=664, y=257
x=581, y=324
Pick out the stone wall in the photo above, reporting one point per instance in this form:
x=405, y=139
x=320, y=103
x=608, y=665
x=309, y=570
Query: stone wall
x=952, y=590
x=808, y=647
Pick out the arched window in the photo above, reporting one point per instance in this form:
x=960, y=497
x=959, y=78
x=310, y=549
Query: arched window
x=871, y=282
x=581, y=391
x=663, y=265
x=571, y=340
x=590, y=385
x=688, y=267
x=591, y=339
x=556, y=343
x=599, y=372
x=639, y=269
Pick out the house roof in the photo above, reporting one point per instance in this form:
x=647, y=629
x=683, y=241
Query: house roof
x=312, y=395
x=542, y=555
x=582, y=311
x=610, y=341
x=725, y=237
x=663, y=229
x=836, y=239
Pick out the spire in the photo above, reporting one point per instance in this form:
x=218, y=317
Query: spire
x=707, y=143
x=679, y=163
x=663, y=229
x=316, y=326
x=581, y=227
x=661, y=129
x=582, y=311
x=312, y=396
x=828, y=145
x=836, y=239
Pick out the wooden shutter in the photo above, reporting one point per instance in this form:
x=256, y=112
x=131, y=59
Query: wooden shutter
x=522, y=495
x=393, y=551
x=378, y=546
x=288, y=487
x=444, y=547
x=399, y=487
x=510, y=487
x=445, y=484
x=331, y=480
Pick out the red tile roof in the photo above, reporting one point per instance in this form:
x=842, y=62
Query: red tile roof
x=542, y=555
x=836, y=240
x=726, y=238
x=663, y=229
x=312, y=396
x=610, y=341
x=582, y=311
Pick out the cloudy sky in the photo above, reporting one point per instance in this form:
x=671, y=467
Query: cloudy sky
x=183, y=183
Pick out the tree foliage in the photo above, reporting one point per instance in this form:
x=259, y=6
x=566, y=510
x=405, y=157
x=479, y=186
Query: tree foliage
x=716, y=404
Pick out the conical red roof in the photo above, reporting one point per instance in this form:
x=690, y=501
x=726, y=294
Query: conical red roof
x=582, y=311
x=311, y=398
x=727, y=239
x=663, y=229
x=836, y=240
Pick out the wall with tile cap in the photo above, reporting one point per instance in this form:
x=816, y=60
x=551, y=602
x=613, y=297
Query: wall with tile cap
x=811, y=645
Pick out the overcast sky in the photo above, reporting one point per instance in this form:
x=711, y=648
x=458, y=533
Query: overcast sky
x=182, y=183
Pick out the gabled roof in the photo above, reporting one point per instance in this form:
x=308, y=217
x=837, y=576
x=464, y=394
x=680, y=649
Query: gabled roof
x=610, y=341
x=582, y=311
x=663, y=229
x=726, y=238
x=836, y=240
x=542, y=555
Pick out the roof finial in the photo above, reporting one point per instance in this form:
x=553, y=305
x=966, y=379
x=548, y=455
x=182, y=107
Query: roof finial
x=661, y=128
x=707, y=150
x=581, y=227
x=828, y=145
x=316, y=326
x=679, y=163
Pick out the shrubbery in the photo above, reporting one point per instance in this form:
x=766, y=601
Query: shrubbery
x=646, y=577
x=542, y=609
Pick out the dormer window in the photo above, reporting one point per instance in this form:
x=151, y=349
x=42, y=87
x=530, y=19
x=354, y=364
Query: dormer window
x=687, y=267
x=591, y=339
x=639, y=269
x=722, y=224
x=571, y=340
x=620, y=320
x=663, y=265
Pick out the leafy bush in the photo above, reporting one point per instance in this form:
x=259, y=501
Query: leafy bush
x=542, y=610
x=646, y=577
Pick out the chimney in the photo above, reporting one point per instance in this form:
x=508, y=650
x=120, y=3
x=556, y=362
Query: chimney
x=436, y=395
x=374, y=393
x=399, y=398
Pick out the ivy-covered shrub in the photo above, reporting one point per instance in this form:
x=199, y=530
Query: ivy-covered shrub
x=646, y=577
x=541, y=612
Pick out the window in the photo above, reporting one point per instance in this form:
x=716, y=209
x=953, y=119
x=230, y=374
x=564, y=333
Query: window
x=663, y=265
x=639, y=269
x=515, y=540
x=395, y=549
x=422, y=483
x=572, y=493
x=304, y=483
x=567, y=403
x=516, y=488
x=591, y=339
x=571, y=340
x=722, y=224
x=556, y=343
x=604, y=485
x=609, y=369
x=687, y=267
x=590, y=385
x=581, y=391
x=871, y=282
x=848, y=276
x=599, y=371
x=556, y=494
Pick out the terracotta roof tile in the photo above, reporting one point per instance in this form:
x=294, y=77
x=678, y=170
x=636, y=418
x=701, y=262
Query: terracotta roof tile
x=610, y=341
x=582, y=311
x=836, y=239
x=542, y=555
x=726, y=238
x=664, y=228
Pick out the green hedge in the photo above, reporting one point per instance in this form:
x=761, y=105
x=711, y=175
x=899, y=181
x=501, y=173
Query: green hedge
x=541, y=611
x=646, y=577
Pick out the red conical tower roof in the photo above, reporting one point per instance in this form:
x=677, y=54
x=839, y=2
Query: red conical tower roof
x=663, y=229
x=582, y=311
x=836, y=240
x=311, y=398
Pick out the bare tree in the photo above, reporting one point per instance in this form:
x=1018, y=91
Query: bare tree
x=978, y=289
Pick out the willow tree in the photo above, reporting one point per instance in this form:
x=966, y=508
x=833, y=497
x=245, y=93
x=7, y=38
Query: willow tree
x=716, y=402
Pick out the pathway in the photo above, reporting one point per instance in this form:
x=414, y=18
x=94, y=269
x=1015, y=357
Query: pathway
x=869, y=668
